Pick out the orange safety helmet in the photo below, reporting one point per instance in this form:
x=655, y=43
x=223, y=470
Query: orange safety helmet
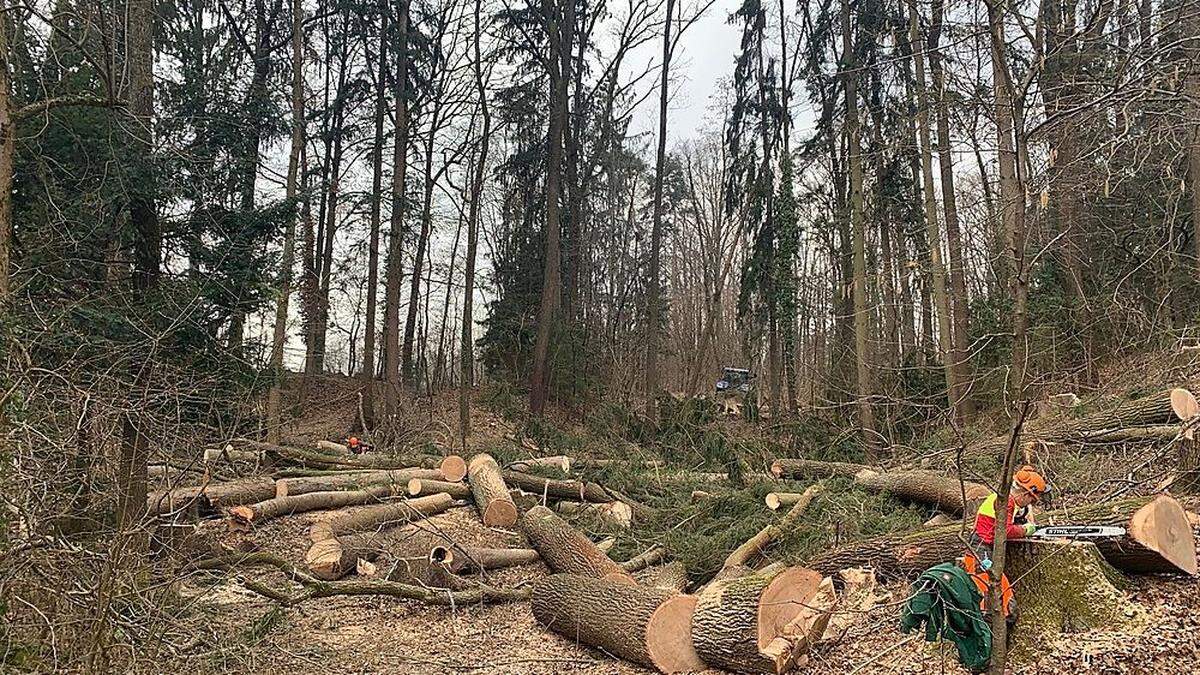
x=1031, y=481
x=353, y=441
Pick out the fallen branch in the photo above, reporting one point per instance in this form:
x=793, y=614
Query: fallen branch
x=754, y=546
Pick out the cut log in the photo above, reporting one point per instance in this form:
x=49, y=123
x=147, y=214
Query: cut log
x=737, y=619
x=560, y=462
x=606, y=544
x=462, y=560
x=207, y=500
x=231, y=454
x=565, y=549
x=1158, y=539
x=615, y=514
x=923, y=487
x=803, y=632
x=670, y=577
x=495, y=505
x=286, y=487
x=381, y=516
x=648, y=626
x=283, y=454
x=335, y=557
x=551, y=488
x=330, y=446
x=454, y=468
x=418, y=487
x=778, y=500
x=260, y=512
x=753, y=547
x=652, y=556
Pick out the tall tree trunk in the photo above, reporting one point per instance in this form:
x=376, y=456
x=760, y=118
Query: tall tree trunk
x=8, y=149
x=1012, y=191
x=467, y=357
x=954, y=386
x=655, y=321
x=866, y=416
x=414, y=291
x=391, y=320
x=279, y=338
x=368, y=368
x=147, y=253
x=960, y=316
x=560, y=20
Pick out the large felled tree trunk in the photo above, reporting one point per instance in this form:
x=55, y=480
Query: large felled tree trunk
x=260, y=512
x=495, y=505
x=648, y=626
x=351, y=481
x=381, y=516
x=923, y=487
x=737, y=618
x=207, y=500
x=565, y=549
x=1159, y=539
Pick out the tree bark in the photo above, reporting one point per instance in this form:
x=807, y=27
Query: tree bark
x=866, y=416
x=463, y=560
x=207, y=500
x=565, y=549
x=737, y=618
x=290, y=487
x=279, y=336
x=559, y=31
x=648, y=626
x=397, y=228
x=655, y=319
x=260, y=512
x=922, y=487
x=381, y=516
x=428, y=486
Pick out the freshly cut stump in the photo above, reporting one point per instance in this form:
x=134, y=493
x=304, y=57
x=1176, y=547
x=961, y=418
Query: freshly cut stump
x=423, y=486
x=1064, y=587
x=495, y=505
x=736, y=619
x=565, y=549
x=648, y=626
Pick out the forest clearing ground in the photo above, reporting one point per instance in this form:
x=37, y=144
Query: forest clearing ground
x=245, y=633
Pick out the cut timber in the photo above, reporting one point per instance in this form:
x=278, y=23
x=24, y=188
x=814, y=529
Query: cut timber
x=1158, y=539
x=753, y=547
x=551, y=488
x=330, y=446
x=418, y=487
x=616, y=514
x=923, y=487
x=453, y=468
x=257, y=513
x=495, y=505
x=1065, y=587
x=670, y=577
x=803, y=632
x=231, y=454
x=565, y=549
x=335, y=557
x=209, y=499
x=778, y=500
x=462, y=560
x=380, y=516
x=285, y=487
x=736, y=619
x=652, y=556
x=283, y=454
x=560, y=462
x=648, y=626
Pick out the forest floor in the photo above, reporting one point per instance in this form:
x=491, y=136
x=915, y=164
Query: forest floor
x=236, y=630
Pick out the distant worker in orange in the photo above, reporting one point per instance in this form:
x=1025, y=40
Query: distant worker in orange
x=357, y=446
x=1028, y=488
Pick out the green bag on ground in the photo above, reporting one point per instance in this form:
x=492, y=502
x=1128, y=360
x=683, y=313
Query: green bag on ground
x=946, y=602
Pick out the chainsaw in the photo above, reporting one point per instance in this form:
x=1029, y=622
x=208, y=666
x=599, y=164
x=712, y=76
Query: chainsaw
x=1077, y=532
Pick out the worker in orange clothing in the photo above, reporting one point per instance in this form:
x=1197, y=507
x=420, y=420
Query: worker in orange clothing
x=357, y=446
x=1028, y=488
